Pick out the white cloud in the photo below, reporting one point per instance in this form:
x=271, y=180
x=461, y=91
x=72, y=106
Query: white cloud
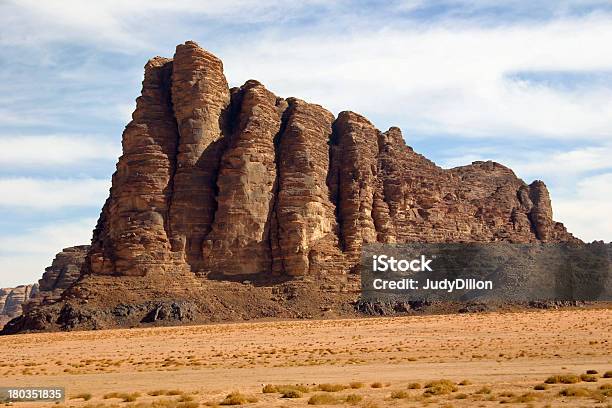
x=125, y=25
x=557, y=167
x=448, y=78
x=587, y=212
x=23, y=193
x=54, y=150
x=23, y=257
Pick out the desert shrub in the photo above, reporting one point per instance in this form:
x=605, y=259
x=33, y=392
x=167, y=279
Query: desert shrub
x=324, y=399
x=356, y=384
x=131, y=397
x=284, y=388
x=607, y=374
x=506, y=394
x=592, y=372
x=461, y=396
x=606, y=390
x=292, y=394
x=588, y=377
x=563, y=379
x=465, y=382
x=185, y=398
x=353, y=399
x=84, y=396
x=483, y=390
x=269, y=389
x=414, y=386
x=331, y=387
x=174, y=392
x=541, y=387
x=156, y=393
x=160, y=404
x=376, y=384
x=399, y=394
x=574, y=392
x=237, y=398
x=440, y=387
x=126, y=397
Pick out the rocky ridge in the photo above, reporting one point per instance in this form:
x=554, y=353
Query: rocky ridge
x=217, y=186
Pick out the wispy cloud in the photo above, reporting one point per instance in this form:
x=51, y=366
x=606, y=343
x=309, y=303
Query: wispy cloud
x=26, y=194
x=449, y=79
x=24, y=256
x=586, y=212
x=55, y=150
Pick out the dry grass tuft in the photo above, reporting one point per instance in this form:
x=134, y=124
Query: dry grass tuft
x=399, y=394
x=563, y=379
x=126, y=397
x=588, y=377
x=285, y=388
x=356, y=385
x=377, y=384
x=292, y=394
x=237, y=398
x=440, y=387
x=353, y=399
x=324, y=399
x=606, y=390
x=414, y=386
x=575, y=392
x=84, y=396
x=332, y=387
x=541, y=387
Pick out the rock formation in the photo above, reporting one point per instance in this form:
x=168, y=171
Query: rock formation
x=12, y=299
x=229, y=184
x=63, y=272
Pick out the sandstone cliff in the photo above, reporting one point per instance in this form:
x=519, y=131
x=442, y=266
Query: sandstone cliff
x=233, y=184
x=63, y=272
x=12, y=299
x=241, y=182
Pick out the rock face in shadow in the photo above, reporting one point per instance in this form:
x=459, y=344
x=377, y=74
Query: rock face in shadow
x=240, y=184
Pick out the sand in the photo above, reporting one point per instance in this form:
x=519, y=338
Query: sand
x=506, y=353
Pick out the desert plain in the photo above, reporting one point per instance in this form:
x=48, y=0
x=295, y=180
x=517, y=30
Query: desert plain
x=543, y=358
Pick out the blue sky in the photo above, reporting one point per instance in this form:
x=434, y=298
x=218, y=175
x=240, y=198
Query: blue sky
x=528, y=84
